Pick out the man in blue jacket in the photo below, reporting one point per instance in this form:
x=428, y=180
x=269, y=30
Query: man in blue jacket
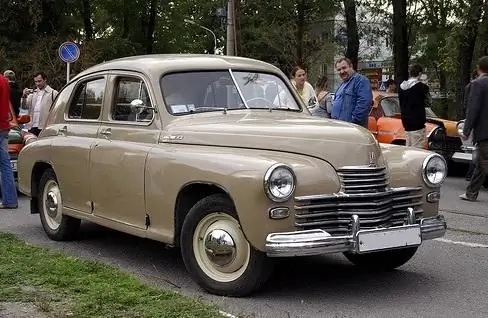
x=353, y=98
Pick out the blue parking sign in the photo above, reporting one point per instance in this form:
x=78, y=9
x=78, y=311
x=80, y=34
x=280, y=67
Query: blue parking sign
x=69, y=52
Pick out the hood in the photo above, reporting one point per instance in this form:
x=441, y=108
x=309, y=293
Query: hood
x=337, y=142
x=394, y=126
x=450, y=126
x=409, y=83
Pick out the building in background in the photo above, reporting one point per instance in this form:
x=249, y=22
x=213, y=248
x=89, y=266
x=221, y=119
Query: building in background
x=375, y=47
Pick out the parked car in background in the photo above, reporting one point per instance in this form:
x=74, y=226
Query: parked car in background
x=465, y=154
x=185, y=150
x=385, y=123
x=17, y=138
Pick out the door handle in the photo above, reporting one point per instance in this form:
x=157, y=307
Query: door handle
x=107, y=133
x=63, y=130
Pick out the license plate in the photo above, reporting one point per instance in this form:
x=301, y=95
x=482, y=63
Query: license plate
x=381, y=239
x=13, y=163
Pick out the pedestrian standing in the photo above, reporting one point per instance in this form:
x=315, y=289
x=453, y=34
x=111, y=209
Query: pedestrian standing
x=354, y=96
x=474, y=75
x=476, y=123
x=324, y=98
x=303, y=87
x=9, y=191
x=39, y=101
x=15, y=92
x=414, y=96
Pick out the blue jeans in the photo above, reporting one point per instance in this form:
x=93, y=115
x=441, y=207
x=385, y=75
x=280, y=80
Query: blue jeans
x=9, y=191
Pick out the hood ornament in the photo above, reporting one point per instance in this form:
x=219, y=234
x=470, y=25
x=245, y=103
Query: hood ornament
x=372, y=159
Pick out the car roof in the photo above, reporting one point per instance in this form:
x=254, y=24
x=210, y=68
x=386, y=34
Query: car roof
x=156, y=64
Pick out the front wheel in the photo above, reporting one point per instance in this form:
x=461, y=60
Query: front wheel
x=382, y=261
x=217, y=254
x=58, y=227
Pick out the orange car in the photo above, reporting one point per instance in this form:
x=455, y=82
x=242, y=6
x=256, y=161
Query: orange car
x=17, y=138
x=385, y=123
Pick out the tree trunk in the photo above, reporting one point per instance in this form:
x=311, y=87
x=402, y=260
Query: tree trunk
x=352, y=51
x=300, y=31
x=125, y=20
x=443, y=89
x=467, y=41
x=86, y=13
x=151, y=26
x=400, y=40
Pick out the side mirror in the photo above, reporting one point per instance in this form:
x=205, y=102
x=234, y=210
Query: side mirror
x=23, y=119
x=137, y=103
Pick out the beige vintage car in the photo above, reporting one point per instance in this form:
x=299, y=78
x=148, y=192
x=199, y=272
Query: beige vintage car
x=218, y=156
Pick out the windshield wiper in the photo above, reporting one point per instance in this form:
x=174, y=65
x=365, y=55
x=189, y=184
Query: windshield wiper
x=273, y=108
x=207, y=108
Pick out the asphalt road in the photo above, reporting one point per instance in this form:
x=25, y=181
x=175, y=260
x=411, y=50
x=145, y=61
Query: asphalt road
x=446, y=278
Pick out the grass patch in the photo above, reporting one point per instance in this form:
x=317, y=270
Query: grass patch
x=61, y=286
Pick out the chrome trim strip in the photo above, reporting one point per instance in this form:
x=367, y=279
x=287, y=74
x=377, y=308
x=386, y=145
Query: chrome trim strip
x=356, y=195
x=238, y=88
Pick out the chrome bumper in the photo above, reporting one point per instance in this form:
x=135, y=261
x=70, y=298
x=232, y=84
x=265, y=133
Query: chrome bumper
x=462, y=157
x=317, y=241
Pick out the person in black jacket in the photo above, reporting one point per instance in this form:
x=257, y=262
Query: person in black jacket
x=476, y=123
x=15, y=92
x=474, y=75
x=414, y=96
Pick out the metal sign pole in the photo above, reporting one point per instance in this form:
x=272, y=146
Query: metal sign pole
x=67, y=72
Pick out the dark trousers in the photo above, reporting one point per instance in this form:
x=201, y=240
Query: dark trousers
x=480, y=171
x=36, y=131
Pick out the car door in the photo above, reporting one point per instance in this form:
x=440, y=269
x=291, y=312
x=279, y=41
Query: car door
x=76, y=135
x=127, y=133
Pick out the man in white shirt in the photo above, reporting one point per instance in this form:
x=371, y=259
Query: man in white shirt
x=38, y=101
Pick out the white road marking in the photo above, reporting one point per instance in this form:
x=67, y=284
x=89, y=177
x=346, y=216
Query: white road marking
x=226, y=314
x=468, y=244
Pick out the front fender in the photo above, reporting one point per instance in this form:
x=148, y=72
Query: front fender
x=29, y=155
x=240, y=172
x=405, y=169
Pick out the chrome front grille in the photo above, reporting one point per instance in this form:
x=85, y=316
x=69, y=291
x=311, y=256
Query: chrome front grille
x=366, y=193
x=363, y=179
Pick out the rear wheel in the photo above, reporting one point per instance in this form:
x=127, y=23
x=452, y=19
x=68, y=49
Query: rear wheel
x=217, y=254
x=58, y=227
x=382, y=261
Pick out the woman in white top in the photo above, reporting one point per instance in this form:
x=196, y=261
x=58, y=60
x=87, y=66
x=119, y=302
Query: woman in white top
x=304, y=88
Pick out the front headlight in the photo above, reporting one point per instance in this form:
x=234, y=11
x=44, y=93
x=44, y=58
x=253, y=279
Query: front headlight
x=30, y=139
x=434, y=170
x=460, y=127
x=279, y=182
x=437, y=133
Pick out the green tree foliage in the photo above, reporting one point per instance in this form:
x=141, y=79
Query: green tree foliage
x=284, y=33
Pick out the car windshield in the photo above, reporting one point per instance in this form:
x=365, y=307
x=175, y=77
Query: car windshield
x=430, y=113
x=391, y=106
x=204, y=91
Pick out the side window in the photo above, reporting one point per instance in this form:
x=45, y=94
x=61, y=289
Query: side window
x=131, y=102
x=88, y=100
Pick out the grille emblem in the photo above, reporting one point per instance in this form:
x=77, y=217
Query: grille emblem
x=372, y=159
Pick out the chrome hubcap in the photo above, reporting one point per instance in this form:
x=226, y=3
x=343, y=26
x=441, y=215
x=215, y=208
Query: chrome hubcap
x=220, y=247
x=51, y=204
